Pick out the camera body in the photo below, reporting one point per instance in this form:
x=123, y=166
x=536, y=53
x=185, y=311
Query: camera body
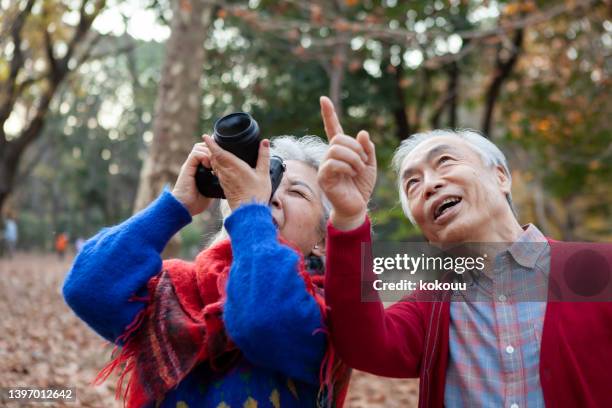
x=239, y=134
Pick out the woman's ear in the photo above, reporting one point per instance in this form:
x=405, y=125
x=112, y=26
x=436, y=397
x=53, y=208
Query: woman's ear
x=319, y=248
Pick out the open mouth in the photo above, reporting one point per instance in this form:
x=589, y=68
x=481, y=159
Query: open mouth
x=275, y=222
x=445, y=206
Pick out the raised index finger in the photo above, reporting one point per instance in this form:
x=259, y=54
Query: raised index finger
x=330, y=119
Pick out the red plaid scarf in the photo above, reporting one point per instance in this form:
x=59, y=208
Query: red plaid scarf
x=183, y=327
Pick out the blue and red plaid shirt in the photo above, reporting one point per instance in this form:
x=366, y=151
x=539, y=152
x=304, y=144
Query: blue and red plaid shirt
x=496, y=327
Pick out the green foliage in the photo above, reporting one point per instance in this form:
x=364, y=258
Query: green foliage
x=89, y=158
x=559, y=114
x=554, y=108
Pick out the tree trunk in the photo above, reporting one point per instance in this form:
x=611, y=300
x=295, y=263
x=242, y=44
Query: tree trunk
x=402, y=125
x=539, y=201
x=337, y=72
x=177, y=109
x=336, y=69
x=453, y=93
x=417, y=116
x=503, y=69
x=8, y=168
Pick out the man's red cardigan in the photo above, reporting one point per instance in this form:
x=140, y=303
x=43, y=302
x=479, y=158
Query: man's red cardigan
x=411, y=338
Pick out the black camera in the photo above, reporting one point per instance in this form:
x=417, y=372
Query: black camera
x=239, y=134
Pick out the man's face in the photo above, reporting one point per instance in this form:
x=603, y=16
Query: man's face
x=452, y=194
x=297, y=208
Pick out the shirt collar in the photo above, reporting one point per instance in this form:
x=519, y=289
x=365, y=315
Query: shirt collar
x=526, y=250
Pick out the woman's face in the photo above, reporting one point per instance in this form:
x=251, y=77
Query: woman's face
x=297, y=208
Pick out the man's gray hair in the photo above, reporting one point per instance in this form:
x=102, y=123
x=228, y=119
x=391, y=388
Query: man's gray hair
x=488, y=151
x=307, y=149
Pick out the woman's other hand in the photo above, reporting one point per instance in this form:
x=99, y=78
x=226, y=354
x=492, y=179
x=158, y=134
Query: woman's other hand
x=240, y=182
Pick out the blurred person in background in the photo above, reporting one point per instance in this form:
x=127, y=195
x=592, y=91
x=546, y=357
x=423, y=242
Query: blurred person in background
x=243, y=324
x=61, y=244
x=11, y=235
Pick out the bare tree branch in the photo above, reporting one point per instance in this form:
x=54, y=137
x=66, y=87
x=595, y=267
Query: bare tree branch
x=82, y=28
x=53, y=66
x=396, y=35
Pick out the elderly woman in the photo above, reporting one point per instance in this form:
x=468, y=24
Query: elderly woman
x=242, y=325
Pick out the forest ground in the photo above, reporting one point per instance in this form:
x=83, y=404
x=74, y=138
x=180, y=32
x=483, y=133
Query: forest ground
x=42, y=343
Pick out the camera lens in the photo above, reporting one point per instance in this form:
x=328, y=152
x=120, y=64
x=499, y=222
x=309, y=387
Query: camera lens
x=233, y=125
x=238, y=133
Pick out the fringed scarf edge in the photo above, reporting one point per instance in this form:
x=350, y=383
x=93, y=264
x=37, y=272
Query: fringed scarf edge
x=334, y=375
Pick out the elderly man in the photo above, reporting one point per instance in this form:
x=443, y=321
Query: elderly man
x=456, y=187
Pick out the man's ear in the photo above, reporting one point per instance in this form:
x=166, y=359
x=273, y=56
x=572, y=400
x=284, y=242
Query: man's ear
x=319, y=248
x=503, y=180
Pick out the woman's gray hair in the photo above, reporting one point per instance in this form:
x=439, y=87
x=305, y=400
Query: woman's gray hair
x=307, y=149
x=488, y=151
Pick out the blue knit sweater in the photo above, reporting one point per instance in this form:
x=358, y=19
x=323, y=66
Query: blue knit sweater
x=268, y=313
